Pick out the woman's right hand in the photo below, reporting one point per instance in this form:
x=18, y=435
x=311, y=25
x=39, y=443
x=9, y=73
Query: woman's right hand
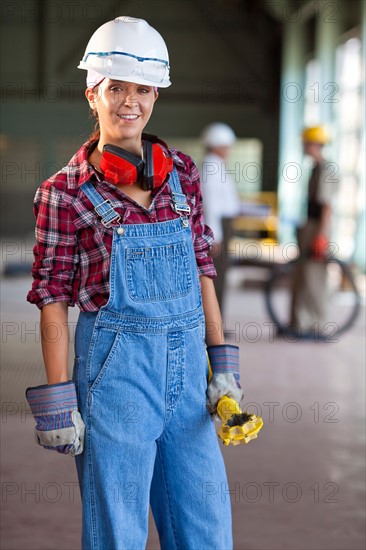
x=59, y=424
x=54, y=405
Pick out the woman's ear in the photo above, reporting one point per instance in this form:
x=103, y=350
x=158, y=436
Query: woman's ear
x=156, y=95
x=91, y=95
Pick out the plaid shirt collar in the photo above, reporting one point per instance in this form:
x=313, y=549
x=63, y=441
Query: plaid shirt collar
x=80, y=170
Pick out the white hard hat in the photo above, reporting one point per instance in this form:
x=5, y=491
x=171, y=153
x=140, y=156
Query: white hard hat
x=218, y=134
x=128, y=49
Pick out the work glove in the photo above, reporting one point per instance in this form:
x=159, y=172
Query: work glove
x=59, y=424
x=224, y=363
x=319, y=247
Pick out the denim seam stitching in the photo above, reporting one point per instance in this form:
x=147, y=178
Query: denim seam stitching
x=106, y=363
x=112, y=271
x=167, y=494
x=75, y=377
x=174, y=296
x=170, y=407
x=90, y=480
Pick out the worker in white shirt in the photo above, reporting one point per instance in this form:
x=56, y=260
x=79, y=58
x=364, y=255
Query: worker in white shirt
x=220, y=196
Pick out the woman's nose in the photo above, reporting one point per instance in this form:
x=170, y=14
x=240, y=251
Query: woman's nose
x=131, y=98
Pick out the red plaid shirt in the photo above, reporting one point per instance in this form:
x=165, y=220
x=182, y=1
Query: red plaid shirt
x=73, y=248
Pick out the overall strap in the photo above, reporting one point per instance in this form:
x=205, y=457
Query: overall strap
x=108, y=215
x=179, y=203
x=102, y=207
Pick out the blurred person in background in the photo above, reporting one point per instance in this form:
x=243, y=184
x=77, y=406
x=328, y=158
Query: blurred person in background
x=221, y=198
x=309, y=289
x=120, y=233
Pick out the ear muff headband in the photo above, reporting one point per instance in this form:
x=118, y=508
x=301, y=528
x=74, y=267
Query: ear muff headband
x=148, y=173
x=120, y=166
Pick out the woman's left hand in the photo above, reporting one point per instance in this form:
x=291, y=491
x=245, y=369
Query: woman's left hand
x=225, y=380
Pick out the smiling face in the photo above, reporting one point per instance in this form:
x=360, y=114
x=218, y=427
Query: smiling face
x=123, y=110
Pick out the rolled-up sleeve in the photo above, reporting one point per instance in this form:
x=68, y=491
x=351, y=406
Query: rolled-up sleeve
x=203, y=237
x=55, y=252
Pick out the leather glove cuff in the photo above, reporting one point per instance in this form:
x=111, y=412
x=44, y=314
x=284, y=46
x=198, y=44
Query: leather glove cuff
x=224, y=363
x=59, y=424
x=52, y=398
x=224, y=359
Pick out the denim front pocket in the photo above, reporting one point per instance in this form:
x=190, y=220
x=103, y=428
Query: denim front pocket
x=103, y=350
x=158, y=273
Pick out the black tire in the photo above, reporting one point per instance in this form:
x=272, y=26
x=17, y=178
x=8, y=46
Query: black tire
x=280, y=273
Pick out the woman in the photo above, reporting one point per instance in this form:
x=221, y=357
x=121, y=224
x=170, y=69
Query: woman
x=120, y=233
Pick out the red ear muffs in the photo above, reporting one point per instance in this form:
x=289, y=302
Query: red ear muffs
x=157, y=165
x=120, y=166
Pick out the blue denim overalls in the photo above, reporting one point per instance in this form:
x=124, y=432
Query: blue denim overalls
x=141, y=377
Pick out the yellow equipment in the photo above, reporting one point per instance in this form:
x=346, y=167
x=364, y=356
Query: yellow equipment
x=237, y=426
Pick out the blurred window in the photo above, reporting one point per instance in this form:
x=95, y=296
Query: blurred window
x=346, y=95
x=349, y=207
x=312, y=92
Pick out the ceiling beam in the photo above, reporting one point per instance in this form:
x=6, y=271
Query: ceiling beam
x=84, y=37
x=227, y=41
x=288, y=11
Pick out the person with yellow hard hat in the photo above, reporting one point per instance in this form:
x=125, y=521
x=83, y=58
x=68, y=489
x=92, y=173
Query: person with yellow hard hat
x=309, y=284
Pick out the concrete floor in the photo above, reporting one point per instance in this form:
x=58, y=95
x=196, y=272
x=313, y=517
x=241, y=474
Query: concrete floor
x=299, y=486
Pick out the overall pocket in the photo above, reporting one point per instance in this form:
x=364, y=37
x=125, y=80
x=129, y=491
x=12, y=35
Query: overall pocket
x=105, y=344
x=158, y=273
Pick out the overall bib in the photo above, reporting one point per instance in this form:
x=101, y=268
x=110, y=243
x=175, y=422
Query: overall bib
x=141, y=377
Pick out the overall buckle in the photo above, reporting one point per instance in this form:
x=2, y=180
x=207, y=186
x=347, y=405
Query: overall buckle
x=180, y=203
x=107, y=215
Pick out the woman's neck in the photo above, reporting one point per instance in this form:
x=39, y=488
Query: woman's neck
x=96, y=154
x=131, y=145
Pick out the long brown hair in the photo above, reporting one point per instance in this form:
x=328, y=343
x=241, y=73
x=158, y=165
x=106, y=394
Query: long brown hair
x=96, y=130
x=93, y=114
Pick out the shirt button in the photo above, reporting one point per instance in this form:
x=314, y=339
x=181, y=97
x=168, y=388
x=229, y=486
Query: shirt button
x=153, y=217
x=121, y=230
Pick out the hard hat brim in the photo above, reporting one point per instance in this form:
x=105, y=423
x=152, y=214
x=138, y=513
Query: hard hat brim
x=135, y=79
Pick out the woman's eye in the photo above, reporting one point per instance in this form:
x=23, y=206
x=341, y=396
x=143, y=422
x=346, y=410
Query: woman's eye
x=116, y=89
x=120, y=89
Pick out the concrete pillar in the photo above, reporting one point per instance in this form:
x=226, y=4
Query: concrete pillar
x=359, y=255
x=328, y=30
x=291, y=120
